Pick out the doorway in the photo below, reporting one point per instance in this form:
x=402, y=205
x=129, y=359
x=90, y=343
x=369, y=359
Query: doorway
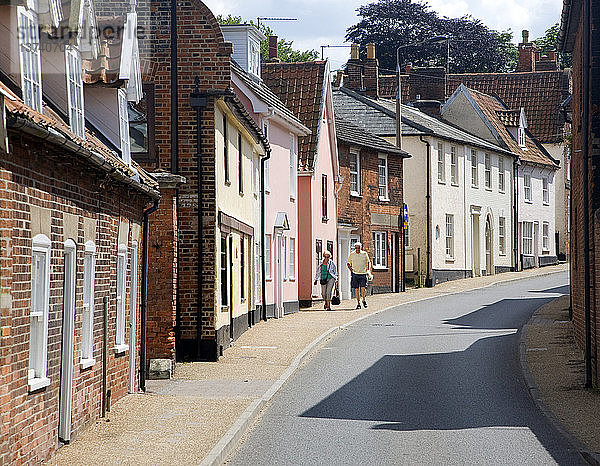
x=396, y=253
x=489, y=247
x=278, y=275
x=536, y=239
x=133, y=316
x=476, y=251
x=66, y=367
x=230, y=273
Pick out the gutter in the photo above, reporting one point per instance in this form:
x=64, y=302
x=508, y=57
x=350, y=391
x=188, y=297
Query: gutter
x=144, y=307
x=428, y=282
x=96, y=159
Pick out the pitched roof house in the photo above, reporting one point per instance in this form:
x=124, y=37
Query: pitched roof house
x=305, y=89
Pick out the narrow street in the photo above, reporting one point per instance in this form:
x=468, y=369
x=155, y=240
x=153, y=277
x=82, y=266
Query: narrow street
x=434, y=382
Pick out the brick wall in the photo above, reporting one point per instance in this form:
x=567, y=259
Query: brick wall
x=577, y=226
x=357, y=211
x=36, y=178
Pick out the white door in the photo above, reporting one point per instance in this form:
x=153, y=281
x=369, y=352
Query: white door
x=344, y=280
x=66, y=367
x=278, y=276
x=476, y=252
x=133, y=316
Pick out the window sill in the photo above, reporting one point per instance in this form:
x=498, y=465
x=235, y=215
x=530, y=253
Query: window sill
x=528, y=201
x=502, y=191
x=456, y=185
x=119, y=349
x=441, y=182
x=268, y=279
x=86, y=363
x=450, y=259
x=488, y=189
x=38, y=383
x=355, y=194
x=384, y=199
x=546, y=203
x=474, y=186
x=292, y=279
x=380, y=267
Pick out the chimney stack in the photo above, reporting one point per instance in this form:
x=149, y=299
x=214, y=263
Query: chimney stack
x=371, y=73
x=354, y=73
x=527, y=54
x=427, y=84
x=273, y=50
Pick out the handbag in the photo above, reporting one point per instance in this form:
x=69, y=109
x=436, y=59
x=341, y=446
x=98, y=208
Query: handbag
x=324, y=281
x=335, y=299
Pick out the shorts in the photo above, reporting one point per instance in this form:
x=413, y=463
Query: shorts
x=358, y=280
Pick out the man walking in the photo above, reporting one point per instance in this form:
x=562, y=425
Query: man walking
x=359, y=265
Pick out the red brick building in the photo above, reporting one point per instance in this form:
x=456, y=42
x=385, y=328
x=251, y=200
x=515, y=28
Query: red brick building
x=370, y=204
x=580, y=35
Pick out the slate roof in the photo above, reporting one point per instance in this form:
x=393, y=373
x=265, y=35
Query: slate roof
x=301, y=87
x=351, y=134
x=540, y=93
x=263, y=92
x=52, y=122
x=366, y=113
x=490, y=106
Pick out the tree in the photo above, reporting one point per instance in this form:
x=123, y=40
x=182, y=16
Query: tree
x=284, y=47
x=549, y=42
x=474, y=48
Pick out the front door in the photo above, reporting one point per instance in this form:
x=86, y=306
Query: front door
x=476, y=252
x=231, y=301
x=278, y=276
x=66, y=367
x=133, y=316
x=489, y=248
x=395, y=264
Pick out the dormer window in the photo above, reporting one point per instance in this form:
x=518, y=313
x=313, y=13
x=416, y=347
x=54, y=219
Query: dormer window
x=75, y=91
x=124, y=127
x=29, y=52
x=254, y=58
x=521, y=137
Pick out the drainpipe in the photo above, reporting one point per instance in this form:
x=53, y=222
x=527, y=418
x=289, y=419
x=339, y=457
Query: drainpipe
x=587, y=31
x=428, y=282
x=198, y=101
x=516, y=165
x=174, y=92
x=263, y=232
x=144, y=309
x=104, y=355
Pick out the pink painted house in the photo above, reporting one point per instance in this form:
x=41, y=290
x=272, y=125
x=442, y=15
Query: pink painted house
x=318, y=168
x=282, y=128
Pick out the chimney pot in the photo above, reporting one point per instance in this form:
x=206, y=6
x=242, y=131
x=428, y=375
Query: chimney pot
x=354, y=52
x=273, y=50
x=525, y=36
x=407, y=68
x=371, y=51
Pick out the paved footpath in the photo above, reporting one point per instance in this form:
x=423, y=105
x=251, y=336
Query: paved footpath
x=199, y=415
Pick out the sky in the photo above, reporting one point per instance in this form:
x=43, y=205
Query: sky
x=324, y=22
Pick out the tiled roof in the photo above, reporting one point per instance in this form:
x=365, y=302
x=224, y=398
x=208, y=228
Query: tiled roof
x=301, y=87
x=263, y=92
x=379, y=117
x=490, y=106
x=351, y=134
x=51, y=121
x=509, y=118
x=540, y=93
x=105, y=68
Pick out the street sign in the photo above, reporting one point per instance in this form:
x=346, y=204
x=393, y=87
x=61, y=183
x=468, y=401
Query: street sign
x=405, y=216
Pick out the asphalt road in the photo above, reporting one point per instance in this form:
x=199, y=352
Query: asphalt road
x=436, y=382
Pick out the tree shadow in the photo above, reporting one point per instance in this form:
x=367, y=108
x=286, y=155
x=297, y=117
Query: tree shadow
x=479, y=387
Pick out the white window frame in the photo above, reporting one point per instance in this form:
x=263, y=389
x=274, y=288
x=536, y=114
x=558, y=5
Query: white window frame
x=292, y=259
x=501, y=174
x=474, y=169
x=39, y=314
x=30, y=60
x=441, y=163
x=124, y=126
x=545, y=190
x=380, y=250
x=383, y=186
x=527, y=238
x=87, y=319
x=545, y=236
x=120, y=345
x=268, y=267
x=293, y=166
x=527, y=187
x=74, y=69
x=453, y=166
x=450, y=236
x=488, y=171
x=355, y=157
x=521, y=137
x=502, y=236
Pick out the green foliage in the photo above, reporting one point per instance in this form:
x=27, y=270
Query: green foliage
x=287, y=53
x=474, y=48
x=550, y=42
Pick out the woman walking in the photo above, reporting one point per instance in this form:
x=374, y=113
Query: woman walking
x=327, y=275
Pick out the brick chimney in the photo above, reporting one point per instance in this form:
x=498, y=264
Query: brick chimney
x=354, y=70
x=527, y=54
x=547, y=62
x=273, y=50
x=427, y=84
x=371, y=73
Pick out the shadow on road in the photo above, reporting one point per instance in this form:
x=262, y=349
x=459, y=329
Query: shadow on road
x=478, y=387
